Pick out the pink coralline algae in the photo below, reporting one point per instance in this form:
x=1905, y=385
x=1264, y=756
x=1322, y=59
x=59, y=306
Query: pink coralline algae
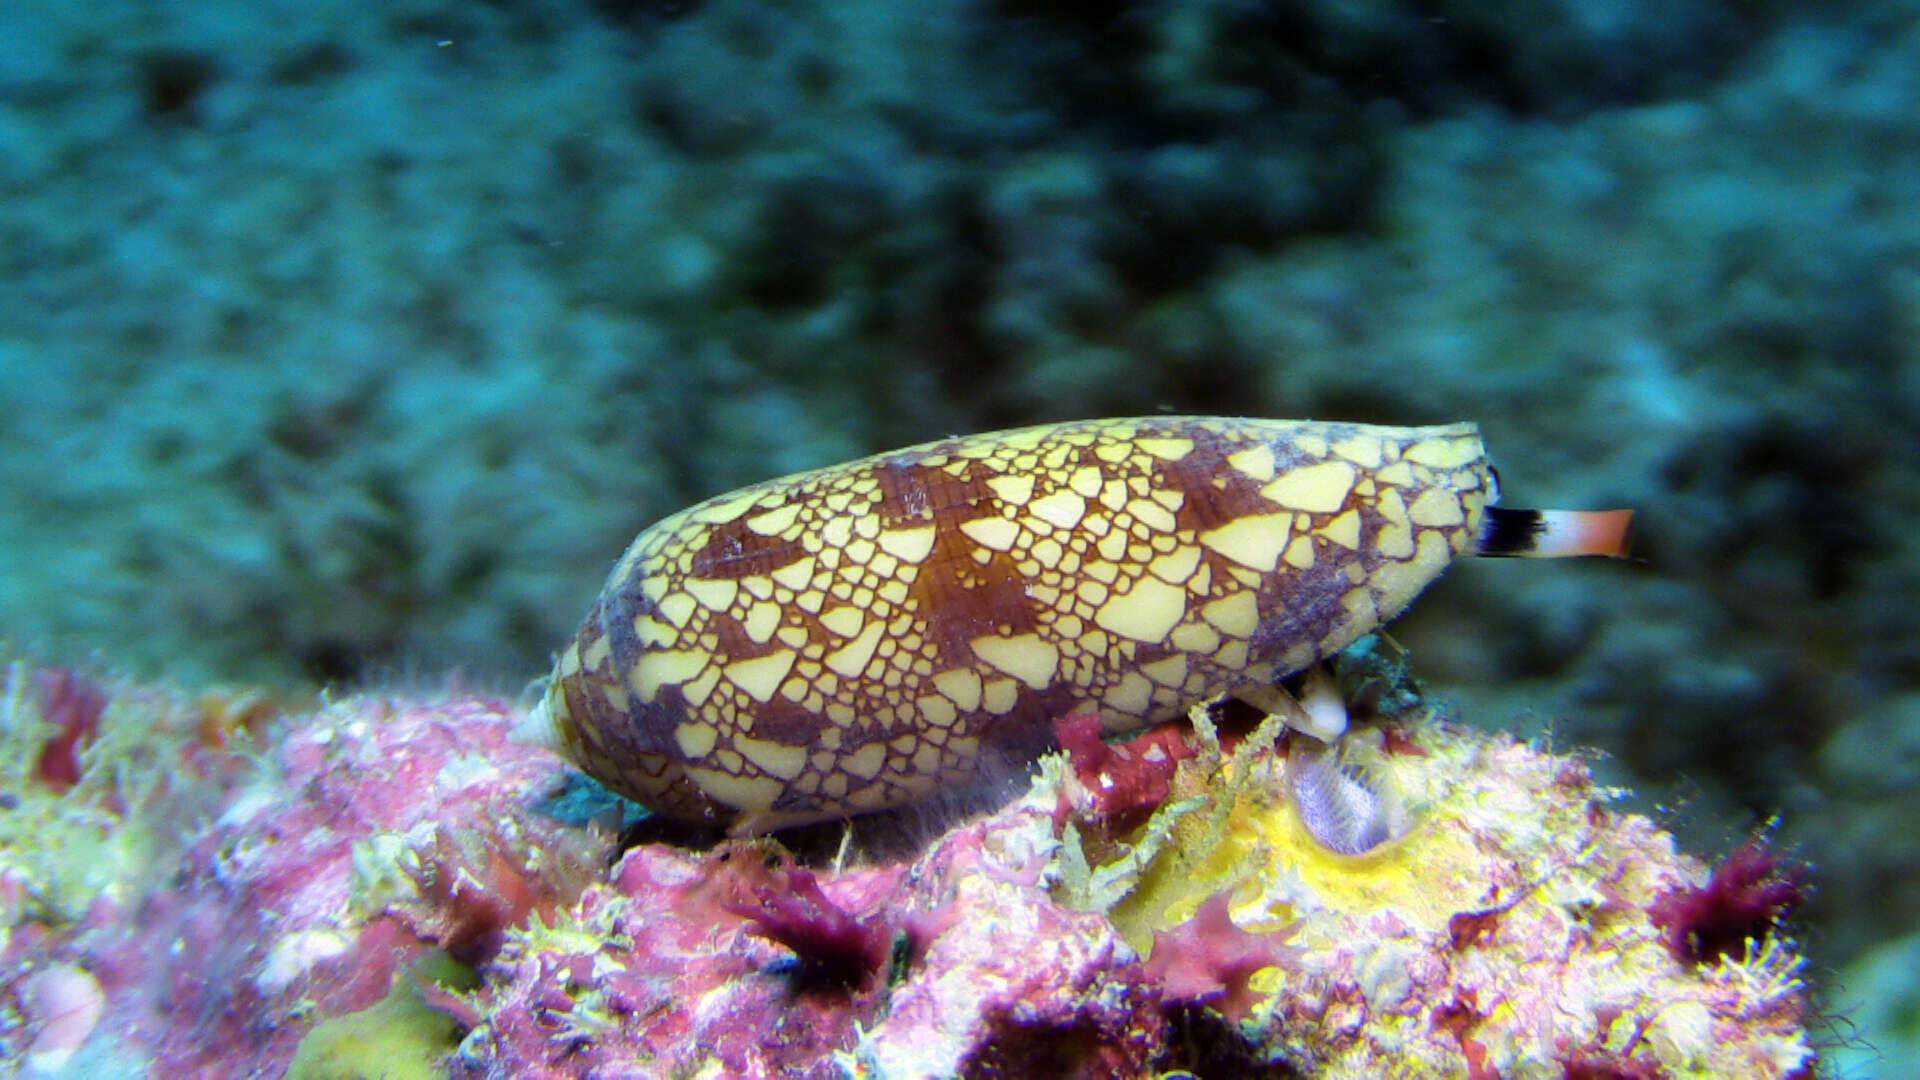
x=1208, y=960
x=385, y=891
x=688, y=962
x=374, y=833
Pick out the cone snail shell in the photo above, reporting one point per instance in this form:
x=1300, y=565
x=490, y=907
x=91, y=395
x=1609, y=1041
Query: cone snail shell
x=864, y=635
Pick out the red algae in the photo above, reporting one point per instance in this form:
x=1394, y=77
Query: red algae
x=1742, y=902
x=72, y=704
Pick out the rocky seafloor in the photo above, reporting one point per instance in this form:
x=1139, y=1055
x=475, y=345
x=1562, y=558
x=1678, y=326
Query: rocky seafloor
x=389, y=887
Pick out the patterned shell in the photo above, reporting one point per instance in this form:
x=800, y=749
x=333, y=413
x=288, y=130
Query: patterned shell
x=861, y=636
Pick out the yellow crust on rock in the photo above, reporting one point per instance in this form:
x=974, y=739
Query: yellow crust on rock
x=858, y=636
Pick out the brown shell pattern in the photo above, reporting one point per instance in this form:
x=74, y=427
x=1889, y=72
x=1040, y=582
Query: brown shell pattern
x=860, y=636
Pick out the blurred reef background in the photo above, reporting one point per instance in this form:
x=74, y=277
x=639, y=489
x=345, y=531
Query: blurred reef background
x=348, y=343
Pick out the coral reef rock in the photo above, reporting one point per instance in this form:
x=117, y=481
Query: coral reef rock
x=392, y=889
